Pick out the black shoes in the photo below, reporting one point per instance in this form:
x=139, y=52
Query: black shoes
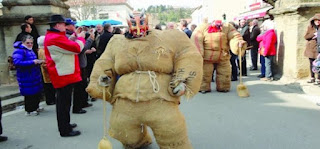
x=223, y=91
x=312, y=80
x=253, y=68
x=261, y=76
x=79, y=112
x=3, y=138
x=242, y=74
x=234, y=79
x=203, y=92
x=74, y=125
x=71, y=134
x=51, y=103
x=87, y=105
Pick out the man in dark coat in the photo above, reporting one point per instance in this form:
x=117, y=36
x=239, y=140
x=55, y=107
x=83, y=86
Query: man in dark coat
x=255, y=44
x=184, y=28
x=80, y=96
x=64, y=69
x=104, y=39
x=245, y=33
x=91, y=57
x=25, y=30
x=34, y=32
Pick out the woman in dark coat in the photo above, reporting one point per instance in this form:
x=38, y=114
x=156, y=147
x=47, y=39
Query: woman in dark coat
x=311, y=48
x=28, y=74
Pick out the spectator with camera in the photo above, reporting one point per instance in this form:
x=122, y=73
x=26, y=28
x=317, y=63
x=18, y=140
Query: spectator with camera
x=64, y=69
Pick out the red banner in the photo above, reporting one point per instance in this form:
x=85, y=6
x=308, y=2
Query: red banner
x=255, y=6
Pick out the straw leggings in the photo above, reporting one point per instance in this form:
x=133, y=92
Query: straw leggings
x=129, y=121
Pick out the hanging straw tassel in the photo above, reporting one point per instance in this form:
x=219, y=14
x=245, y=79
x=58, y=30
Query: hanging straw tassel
x=104, y=142
x=242, y=90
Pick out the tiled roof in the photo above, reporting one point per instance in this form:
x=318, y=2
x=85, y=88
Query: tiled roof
x=97, y=2
x=110, y=1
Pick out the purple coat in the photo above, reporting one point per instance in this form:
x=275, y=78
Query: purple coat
x=28, y=73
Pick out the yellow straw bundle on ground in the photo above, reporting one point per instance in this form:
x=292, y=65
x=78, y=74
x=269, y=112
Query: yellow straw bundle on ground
x=242, y=90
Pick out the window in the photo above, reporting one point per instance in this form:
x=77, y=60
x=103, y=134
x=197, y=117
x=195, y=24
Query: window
x=104, y=16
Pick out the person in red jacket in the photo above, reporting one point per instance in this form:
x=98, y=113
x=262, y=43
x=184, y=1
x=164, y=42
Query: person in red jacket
x=63, y=67
x=269, y=41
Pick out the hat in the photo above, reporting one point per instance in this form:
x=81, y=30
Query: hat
x=57, y=19
x=268, y=24
x=69, y=21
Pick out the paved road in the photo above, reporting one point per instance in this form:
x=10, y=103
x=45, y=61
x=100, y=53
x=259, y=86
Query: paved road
x=275, y=116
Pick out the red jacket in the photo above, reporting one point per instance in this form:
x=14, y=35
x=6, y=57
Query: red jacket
x=269, y=40
x=62, y=58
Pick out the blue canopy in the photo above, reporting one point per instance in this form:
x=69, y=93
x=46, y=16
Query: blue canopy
x=112, y=22
x=96, y=22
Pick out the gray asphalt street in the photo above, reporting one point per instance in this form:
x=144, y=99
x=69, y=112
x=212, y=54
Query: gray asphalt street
x=275, y=116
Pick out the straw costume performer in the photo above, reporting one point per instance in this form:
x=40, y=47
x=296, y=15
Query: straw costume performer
x=214, y=41
x=155, y=69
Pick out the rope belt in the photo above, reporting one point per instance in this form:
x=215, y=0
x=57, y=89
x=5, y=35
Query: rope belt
x=153, y=81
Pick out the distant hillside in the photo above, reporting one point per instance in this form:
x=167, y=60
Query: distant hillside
x=169, y=13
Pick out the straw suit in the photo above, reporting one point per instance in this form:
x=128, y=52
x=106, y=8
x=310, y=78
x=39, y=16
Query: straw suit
x=150, y=68
x=214, y=46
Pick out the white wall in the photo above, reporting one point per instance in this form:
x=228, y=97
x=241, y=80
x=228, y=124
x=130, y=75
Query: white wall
x=214, y=9
x=197, y=16
x=112, y=10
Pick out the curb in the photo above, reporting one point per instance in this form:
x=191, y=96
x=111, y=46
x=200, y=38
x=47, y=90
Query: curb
x=13, y=95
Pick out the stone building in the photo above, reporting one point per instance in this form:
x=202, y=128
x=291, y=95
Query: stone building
x=291, y=18
x=14, y=12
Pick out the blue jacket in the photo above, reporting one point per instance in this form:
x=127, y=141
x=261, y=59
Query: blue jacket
x=188, y=32
x=28, y=73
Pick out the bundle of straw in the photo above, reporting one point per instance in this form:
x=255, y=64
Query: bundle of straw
x=242, y=90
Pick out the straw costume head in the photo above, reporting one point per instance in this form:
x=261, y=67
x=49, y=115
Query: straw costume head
x=138, y=25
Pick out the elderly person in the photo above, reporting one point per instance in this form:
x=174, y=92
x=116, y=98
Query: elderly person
x=49, y=91
x=104, y=39
x=269, y=40
x=170, y=25
x=28, y=74
x=312, y=51
x=64, y=69
x=245, y=33
x=255, y=31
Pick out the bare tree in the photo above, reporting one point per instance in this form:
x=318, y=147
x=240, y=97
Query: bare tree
x=271, y=2
x=83, y=9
